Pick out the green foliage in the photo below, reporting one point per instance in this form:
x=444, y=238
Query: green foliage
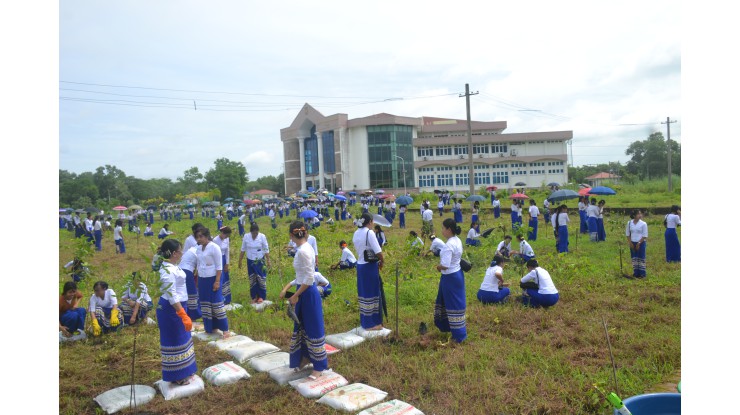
x=228, y=176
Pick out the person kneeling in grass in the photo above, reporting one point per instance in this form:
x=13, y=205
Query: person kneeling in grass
x=492, y=290
x=437, y=245
x=71, y=317
x=104, y=309
x=135, y=304
x=347, y=260
x=321, y=283
x=539, y=290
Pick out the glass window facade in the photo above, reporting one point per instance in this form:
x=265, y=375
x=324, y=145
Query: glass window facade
x=500, y=177
x=328, y=144
x=312, y=153
x=386, y=143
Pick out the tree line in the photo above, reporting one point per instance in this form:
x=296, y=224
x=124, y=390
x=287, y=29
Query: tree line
x=110, y=186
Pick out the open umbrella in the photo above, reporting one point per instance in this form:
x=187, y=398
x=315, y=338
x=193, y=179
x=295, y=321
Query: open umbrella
x=341, y=198
x=602, y=190
x=563, y=194
x=458, y=196
x=582, y=185
x=92, y=210
x=486, y=233
x=584, y=191
x=152, y=207
x=311, y=189
x=308, y=214
x=340, y=192
x=405, y=200
x=228, y=199
x=489, y=188
x=134, y=207
x=312, y=199
x=476, y=198
x=520, y=184
x=352, y=193
x=380, y=220
x=437, y=191
x=553, y=184
x=518, y=196
x=62, y=210
x=80, y=211
x=289, y=199
x=120, y=208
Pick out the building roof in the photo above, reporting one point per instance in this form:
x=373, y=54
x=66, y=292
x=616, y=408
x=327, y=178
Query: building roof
x=603, y=175
x=262, y=192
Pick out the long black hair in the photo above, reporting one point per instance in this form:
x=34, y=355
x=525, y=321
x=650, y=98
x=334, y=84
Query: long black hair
x=169, y=246
x=450, y=224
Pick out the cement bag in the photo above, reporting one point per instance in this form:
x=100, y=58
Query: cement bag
x=233, y=341
x=325, y=383
x=352, y=398
x=283, y=375
x=171, y=391
x=246, y=351
x=370, y=334
x=116, y=399
x=261, y=306
x=209, y=337
x=80, y=335
x=225, y=373
x=344, y=340
x=270, y=361
x=394, y=407
x=232, y=306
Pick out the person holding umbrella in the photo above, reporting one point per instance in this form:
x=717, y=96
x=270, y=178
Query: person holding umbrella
x=369, y=264
x=257, y=250
x=672, y=246
x=637, y=233
x=514, y=214
x=449, y=309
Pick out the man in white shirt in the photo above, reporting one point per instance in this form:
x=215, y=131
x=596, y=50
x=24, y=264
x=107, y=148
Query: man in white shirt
x=427, y=227
x=534, y=213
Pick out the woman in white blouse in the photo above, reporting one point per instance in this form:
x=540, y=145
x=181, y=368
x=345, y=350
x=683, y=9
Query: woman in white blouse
x=492, y=288
x=672, y=246
x=223, y=241
x=308, y=340
x=103, y=309
x=347, y=260
x=257, y=250
x=637, y=233
x=545, y=295
x=210, y=266
x=449, y=309
x=176, y=343
x=368, y=275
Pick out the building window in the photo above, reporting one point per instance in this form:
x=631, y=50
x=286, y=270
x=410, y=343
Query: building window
x=482, y=178
x=499, y=148
x=500, y=177
x=461, y=179
x=444, y=168
x=387, y=145
x=443, y=151
x=480, y=167
x=500, y=166
x=518, y=172
x=328, y=148
x=461, y=150
x=444, y=180
x=536, y=172
x=426, y=180
x=480, y=149
x=311, y=146
x=425, y=151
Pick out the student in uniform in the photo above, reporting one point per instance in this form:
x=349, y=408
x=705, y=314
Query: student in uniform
x=210, y=266
x=118, y=237
x=380, y=235
x=89, y=228
x=441, y=206
x=534, y=213
x=496, y=208
x=416, y=243
x=546, y=294
x=600, y=221
x=492, y=288
x=560, y=224
x=402, y=217
x=436, y=247
x=546, y=207
x=504, y=247
x=347, y=260
x=135, y=304
x=223, y=241
x=71, y=317
x=427, y=226
x=308, y=339
x=175, y=339
x=637, y=233
x=321, y=283
x=190, y=240
x=592, y=214
x=103, y=309
x=189, y=264
x=473, y=235
x=582, y=205
x=525, y=251
x=368, y=275
x=241, y=222
x=672, y=246
x=449, y=310
x=458, y=211
x=474, y=212
x=148, y=230
x=165, y=231
x=79, y=230
x=257, y=250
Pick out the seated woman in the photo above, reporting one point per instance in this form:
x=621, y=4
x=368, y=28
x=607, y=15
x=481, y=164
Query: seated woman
x=437, y=245
x=165, y=231
x=473, y=235
x=492, y=290
x=504, y=247
x=321, y=283
x=148, y=230
x=348, y=260
x=380, y=235
x=525, y=252
x=416, y=243
x=103, y=309
x=71, y=317
x=135, y=304
x=79, y=270
x=545, y=295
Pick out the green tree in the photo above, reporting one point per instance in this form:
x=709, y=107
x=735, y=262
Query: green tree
x=650, y=157
x=108, y=179
x=191, y=181
x=230, y=177
x=72, y=187
x=274, y=183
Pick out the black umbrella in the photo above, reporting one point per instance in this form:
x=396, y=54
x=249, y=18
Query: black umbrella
x=520, y=184
x=92, y=210
x=486, y=233
x=553, y=184
x=382, y=298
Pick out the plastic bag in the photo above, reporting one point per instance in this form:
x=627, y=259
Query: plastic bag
x=352, y=398
x=225, y=373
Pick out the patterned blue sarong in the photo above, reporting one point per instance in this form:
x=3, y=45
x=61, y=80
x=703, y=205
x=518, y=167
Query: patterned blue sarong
x=449, y=308
x=176, y=344
x=308, y=339
x=257, y=278
x=672, y=246
x=211, y=305
x=368, y=293
x=225, y=282
x=193, y=305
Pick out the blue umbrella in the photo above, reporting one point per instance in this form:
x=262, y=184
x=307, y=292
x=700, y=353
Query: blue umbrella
x=340, y=197
x=601, y=190
x=311, y=189
x=352, y=193
x=228, y=199
x=476, y=198
x=563, y=194
x=308, y=214
x=404, y=200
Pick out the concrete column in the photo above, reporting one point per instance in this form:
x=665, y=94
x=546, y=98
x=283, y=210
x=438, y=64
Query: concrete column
x=302, y=159
x=320, y=141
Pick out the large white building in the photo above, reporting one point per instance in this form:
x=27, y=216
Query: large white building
x=419, y=153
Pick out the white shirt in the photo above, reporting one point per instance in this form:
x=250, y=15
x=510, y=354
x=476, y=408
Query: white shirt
x=496, y=203
x=172, y=283
x=242, y=219
x=562, y=219
x=546, y=203
x=76, y=220
x=362, y=239
x=304, y=264
x=347, y=255
x=592, y=211
x=96, y=226
x=189, y=243
x=312, y=242
x=534, y=211
x=272, y=214
x=209, y=260
x=490, y=282
x=581, y=206
x=164, y=231
x=437, y=245
x=224, y=245
x=255, y=248
x=427, y=215
x=525, y=248
x=636, y=231
x=108, y=301
x=450, y=255
x=117, y=233
x=148, y=229
x=189, y=260
x=440, y=204
x=503, y=244
x=138, y=296
x=417, y=242
x=318, y=279
x=543, y=279
x=472, y=234
x=672, y=220
x=88, y=224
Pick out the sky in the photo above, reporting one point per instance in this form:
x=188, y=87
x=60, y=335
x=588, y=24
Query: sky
x=155, y=88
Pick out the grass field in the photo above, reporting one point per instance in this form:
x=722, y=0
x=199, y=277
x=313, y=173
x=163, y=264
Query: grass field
x=515, y=361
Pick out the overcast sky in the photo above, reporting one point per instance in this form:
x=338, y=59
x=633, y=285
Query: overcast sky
x=155, y=88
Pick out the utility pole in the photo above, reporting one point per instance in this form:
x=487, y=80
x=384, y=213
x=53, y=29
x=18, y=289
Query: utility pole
x=668, y=123
x=471, y=177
